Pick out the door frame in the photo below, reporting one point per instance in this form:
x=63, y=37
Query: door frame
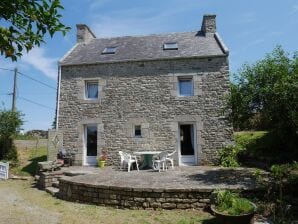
x=194, y=145
x=85, y=163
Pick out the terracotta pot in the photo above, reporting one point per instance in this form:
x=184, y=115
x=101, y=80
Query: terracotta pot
x=234, y=219
x=101, y=163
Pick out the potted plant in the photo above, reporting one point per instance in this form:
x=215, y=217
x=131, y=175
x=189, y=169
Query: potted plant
x=229, y=208
x=102, y=160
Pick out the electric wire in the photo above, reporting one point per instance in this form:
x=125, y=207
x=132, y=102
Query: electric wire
x=40, y=82
x=6, y=69
x=33, y=102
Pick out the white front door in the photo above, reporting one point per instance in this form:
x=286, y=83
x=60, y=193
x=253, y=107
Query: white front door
x=187, y=145
x=90, y=145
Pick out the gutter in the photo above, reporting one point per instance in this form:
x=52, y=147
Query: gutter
x=58, y=97
x=145, y=60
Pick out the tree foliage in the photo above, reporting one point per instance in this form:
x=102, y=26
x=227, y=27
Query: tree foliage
x=265, y=95
x=10, y=123
x=25, y=24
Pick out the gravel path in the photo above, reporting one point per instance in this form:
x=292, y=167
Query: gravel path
x=16, y=206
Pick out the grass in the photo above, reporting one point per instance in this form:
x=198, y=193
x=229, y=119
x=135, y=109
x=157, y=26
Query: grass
x=26, y=137
x=231, y=204
x=262, y=148
x=28, y=159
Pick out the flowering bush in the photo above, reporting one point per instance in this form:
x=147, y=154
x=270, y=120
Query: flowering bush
x=103, y=156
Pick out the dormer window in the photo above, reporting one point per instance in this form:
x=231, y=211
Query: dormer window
x=109, y=50
x=170, y=46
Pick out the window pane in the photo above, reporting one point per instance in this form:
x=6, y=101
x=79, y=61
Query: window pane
x=185, y=87
x=170, y=46
x=92, y=90
x=109, y=50
x=138, y=132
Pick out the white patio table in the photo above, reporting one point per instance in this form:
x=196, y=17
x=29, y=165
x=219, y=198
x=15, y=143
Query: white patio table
x=147, y=161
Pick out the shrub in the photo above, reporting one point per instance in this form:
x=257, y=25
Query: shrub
x=228, y=156
x=10, y=123
x=231, y=204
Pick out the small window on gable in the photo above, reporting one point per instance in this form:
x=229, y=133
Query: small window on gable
x=91, y=90
x=170, y=46
x=138, y=131
x=185, y=86
x=109, y=50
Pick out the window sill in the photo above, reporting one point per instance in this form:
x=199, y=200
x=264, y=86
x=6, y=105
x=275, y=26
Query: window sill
x=90, y=101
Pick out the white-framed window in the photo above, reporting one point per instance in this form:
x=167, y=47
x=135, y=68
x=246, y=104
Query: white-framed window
x=185, y=86
x=170, y=46
x=138, y=131
x=109, y=50
x=91, y=90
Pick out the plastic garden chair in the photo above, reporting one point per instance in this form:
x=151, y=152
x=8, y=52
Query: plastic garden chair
x=170, y=158
x=161, y=162
x=127, y=159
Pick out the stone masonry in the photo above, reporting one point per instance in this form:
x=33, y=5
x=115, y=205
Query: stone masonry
x=144, y=92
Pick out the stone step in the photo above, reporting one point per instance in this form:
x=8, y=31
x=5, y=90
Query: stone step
x=37, y=177
x=77, y=173
x=56, y=184
x=52, y=190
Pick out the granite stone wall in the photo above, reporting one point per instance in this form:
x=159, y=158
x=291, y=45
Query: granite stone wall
x=121, y=197
x=145, y=93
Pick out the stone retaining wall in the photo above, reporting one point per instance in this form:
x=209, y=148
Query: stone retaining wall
x=46, y=179
x=122, y=197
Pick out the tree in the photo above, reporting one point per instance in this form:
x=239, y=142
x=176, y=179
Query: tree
x=10, y=123
x=25, y=24
x=265, y=95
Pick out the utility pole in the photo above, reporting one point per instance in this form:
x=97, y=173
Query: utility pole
x=14, y=94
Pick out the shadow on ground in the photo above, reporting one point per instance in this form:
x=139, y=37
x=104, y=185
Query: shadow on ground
x=210, y=221
x=31, y=168
x=231, y=177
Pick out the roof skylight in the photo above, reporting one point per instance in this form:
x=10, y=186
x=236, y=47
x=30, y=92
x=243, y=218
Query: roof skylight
x=170, y=46
x=109, y=50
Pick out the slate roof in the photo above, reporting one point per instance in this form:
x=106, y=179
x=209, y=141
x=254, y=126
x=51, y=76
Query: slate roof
x=131, y=48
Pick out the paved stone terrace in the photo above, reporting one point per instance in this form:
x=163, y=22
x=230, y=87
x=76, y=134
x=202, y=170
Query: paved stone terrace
x=195, y=177
x=182, y=188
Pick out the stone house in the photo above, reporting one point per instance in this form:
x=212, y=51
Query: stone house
x=156, y=92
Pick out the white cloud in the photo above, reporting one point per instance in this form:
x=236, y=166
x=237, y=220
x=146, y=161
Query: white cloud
x=294, y=9
x=38, y=59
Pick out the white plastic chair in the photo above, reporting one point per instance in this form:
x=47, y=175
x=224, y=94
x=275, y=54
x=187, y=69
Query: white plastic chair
x=161, y=162
x=128, y=159
x=170, y=158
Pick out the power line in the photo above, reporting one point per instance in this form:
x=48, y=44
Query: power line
x=30, y=101
x=27, y=76
x=6, y=69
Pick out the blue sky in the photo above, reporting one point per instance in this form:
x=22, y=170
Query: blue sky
x=250, y=29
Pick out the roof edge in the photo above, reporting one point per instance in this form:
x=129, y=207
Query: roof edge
x=221, y=43
x=145, y=60
x=67, y=53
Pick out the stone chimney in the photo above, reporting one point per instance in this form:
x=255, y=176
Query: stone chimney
x=84, y=34
x=209, y=24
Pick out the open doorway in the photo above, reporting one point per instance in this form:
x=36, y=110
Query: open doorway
x=187, y=144
x=90, y=145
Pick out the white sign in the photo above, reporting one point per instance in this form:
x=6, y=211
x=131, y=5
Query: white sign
x=4, y=167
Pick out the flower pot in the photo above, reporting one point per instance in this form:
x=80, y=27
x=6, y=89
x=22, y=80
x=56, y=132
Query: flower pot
x=101, y=163
x=234, y=219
